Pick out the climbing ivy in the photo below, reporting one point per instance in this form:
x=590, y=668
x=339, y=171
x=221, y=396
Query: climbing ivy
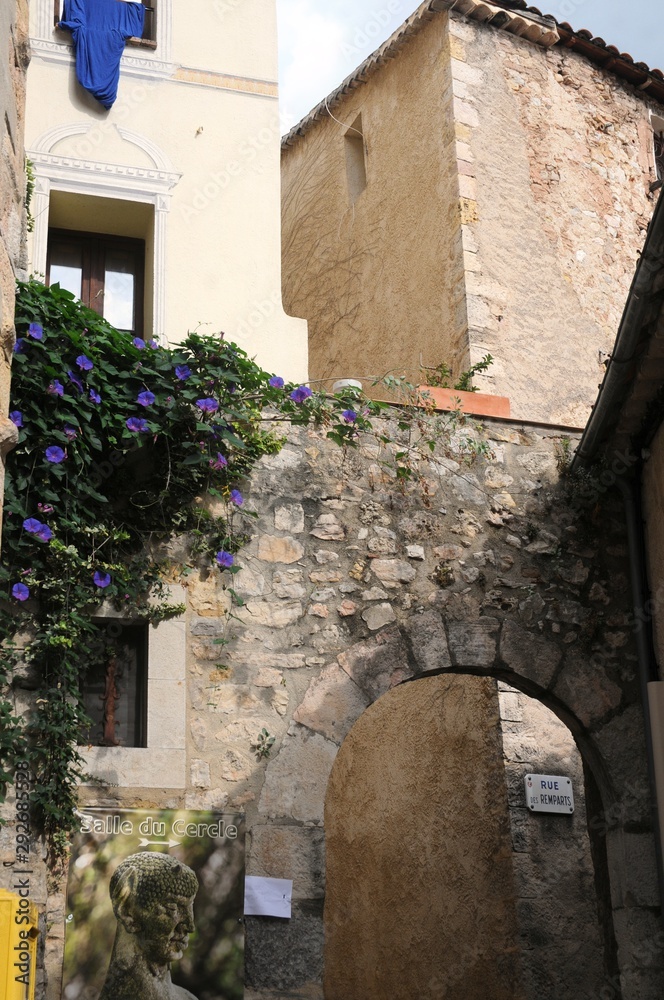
x=122, y=445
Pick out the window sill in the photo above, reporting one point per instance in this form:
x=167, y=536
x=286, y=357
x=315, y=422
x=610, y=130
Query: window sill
x=141, y=43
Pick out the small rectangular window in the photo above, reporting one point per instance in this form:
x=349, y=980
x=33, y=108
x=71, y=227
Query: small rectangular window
x=114, y=691
x=149, y=36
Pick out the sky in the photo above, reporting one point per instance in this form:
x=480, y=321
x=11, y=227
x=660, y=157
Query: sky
x=322, y=41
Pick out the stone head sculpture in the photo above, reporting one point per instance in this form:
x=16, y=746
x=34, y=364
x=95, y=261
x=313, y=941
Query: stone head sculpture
x=152, y=897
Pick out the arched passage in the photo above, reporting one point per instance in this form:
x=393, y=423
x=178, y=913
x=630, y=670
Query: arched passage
x=438, y=883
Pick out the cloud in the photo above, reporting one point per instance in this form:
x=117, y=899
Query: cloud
x=320, y=46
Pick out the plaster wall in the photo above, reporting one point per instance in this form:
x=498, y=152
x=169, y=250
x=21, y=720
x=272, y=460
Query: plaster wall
x=14, y=40
x=419, y=870
x=509, y=191
x=353, y=585
x=194, y=135
x=377, y=277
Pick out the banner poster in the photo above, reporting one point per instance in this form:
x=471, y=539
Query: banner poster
x=153, y=893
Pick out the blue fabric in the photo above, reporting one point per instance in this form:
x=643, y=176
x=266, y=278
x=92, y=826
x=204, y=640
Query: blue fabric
x=100, y=29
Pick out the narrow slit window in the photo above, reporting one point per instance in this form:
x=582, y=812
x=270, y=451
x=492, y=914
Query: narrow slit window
x=356, y=167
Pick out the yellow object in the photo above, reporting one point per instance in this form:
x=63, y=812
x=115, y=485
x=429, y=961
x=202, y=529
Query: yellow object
x=18, y=946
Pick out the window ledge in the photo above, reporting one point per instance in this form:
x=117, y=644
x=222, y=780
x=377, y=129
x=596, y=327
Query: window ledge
x=141, y=43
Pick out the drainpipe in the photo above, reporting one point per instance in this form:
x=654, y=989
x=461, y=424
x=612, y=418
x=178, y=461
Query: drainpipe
x=652, y=688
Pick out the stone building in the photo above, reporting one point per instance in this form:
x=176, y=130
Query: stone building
x=14, y=35
x=176, y=187
x=404, y=189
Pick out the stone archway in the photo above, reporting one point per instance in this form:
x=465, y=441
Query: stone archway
x=438, y=885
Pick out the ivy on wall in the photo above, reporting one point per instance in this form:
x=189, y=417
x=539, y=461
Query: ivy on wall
x=122, y=444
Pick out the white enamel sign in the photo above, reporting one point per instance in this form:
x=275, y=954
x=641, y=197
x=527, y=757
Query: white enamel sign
x=549, y=793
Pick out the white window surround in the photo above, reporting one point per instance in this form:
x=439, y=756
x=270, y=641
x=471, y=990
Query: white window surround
x=55, y=46
x=657, y=125
x=162, y=764
x=94, y=178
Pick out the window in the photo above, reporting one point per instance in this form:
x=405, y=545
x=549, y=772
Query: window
x=356, y=171
x=114, y=692
x=105, y=272
x=149, y=37
x=659, y=155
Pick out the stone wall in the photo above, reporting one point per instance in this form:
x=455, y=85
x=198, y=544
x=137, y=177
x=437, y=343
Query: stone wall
x=14, y=41
x=353, y=585
x=507, y=199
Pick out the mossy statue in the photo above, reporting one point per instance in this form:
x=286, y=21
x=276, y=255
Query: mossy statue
x=152, y=897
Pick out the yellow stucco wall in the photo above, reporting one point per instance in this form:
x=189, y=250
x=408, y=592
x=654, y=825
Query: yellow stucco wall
x=377, y=278
x=194, y=135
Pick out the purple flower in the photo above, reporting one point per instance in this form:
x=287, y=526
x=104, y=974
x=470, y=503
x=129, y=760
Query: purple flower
x=137, y=425
x=350, y=416
x=20, y=592
x=301, y=393
x=139, y=343
x=32, y=526
x=56, y=388
x=76, y=380
x=55, y=455
x=236, y=498
x=94, y=396
x=16, y=418
x=219, y=462
x=36, y=330
x=153, y=344
x=207, y=405
x=45, y=508
x=71, y=433
x=146, y=398
x=225, y=559
x=19, y=345
x=102, y=580
x=182, y=372
x=84, y=363
x=45, y=534
x=276, y=382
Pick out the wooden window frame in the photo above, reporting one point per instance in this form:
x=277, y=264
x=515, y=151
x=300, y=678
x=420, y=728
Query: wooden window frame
x=149, y=37
x=93, y=247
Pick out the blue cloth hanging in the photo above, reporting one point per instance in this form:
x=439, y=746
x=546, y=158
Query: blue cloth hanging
x=100, y=29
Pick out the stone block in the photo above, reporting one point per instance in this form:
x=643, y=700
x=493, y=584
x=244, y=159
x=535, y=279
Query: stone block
x=328, y=529
x=587, y=691
x=271, y=615
x=287, y=584
x=379, y=664
x=277, y=549
x=290, y=518
x=428, y=641
x=529, y=655
x=296, y=779
x=286, y=955
x=622, y=744
x=473, y=644
x=291, y=852
x=199, y=771
x=332, y=704
x=640, y=938
x=393, y=571
x=378, y=616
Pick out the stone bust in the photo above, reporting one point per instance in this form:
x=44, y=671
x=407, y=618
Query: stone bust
x=152, y=897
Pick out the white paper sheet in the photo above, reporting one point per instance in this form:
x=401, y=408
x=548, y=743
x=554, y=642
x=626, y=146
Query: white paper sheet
x=267, y=897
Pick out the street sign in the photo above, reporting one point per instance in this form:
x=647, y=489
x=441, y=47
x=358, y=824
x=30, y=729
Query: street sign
x=549, y=793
